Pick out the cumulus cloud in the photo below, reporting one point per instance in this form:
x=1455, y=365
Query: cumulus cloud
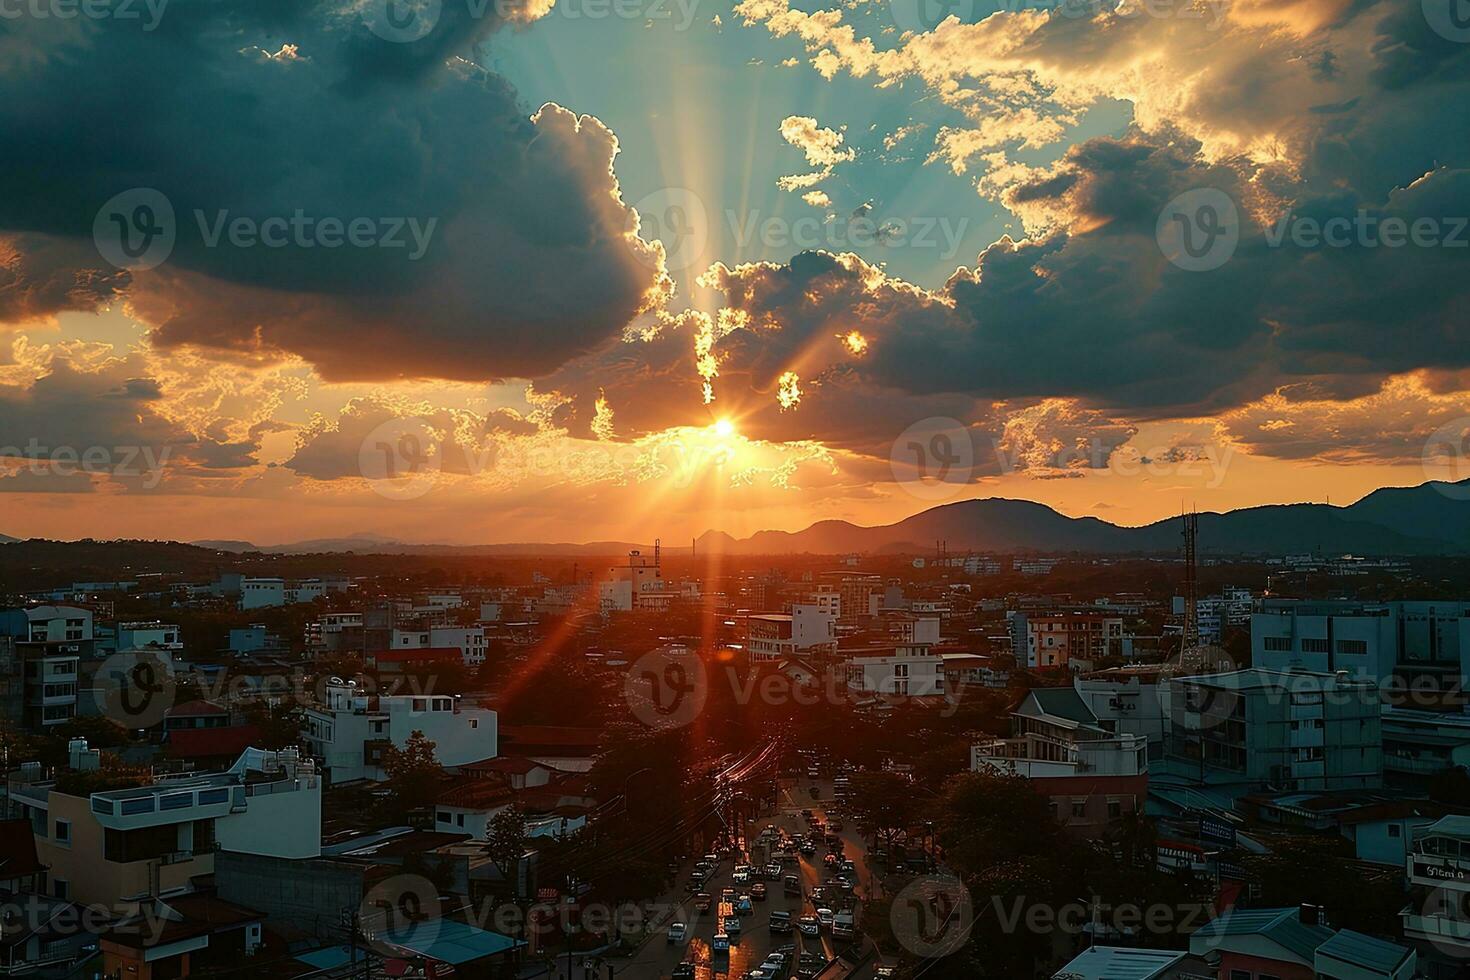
x=81, y=422
x=486, y=243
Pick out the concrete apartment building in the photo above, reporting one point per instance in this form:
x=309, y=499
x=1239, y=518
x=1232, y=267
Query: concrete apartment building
x=1255, y=729
x=48, y=643
x=121, y=845
x=1421, y=642
x=349, y=731
x=1090, y=775
x=1072, y=640
x=903, y=671
x=807, y=630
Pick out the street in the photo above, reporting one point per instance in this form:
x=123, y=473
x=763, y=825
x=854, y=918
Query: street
x=755, y=941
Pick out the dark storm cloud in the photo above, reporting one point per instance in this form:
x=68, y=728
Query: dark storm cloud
x=258, y=111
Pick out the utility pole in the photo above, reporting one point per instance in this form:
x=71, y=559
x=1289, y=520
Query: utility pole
x=1190, y=637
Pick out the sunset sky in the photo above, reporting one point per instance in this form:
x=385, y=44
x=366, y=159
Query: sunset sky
x=470, y=271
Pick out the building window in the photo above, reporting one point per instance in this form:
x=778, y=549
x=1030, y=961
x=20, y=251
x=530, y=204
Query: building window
x=1079, y=808
x=1277, y=644
x=1314, y=644
x=459, y=819
x=61, y=888
x=1359, y=647
x=1394, y=830
x=1115, y=809
x=63, y=832
x=474, y=723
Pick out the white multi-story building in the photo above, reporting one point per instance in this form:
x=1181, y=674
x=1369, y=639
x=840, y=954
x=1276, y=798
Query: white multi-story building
x=152, y=635
x=124, y=844
x=468, y=640
x=49, y=642
x=351, y=729
x=1438, y=871
x=909, y=671
x=1372, y=641
x=809, y=628
x=1126, y=700
x=628, y=585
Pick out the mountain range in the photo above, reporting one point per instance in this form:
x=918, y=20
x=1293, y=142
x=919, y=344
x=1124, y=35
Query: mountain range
x=1430, y=519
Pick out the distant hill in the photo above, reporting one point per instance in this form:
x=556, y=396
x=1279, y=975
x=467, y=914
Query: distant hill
x=1430, y=519
x=1425, y=520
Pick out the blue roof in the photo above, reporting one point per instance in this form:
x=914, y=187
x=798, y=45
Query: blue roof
x=1121, y=963
x=1283, y=927
x=449, y=941
x=1358, y=949
x=445, y=940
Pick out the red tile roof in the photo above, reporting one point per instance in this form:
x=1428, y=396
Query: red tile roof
x=191, y=709
x=199, y=743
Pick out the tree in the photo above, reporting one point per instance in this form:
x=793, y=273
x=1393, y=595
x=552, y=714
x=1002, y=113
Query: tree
x=884, y=804
x=505, y=842
x=413, y=773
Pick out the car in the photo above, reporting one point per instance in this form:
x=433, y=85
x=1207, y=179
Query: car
x=779, y=922
x=773, y=871
x=845, y=883
x=744, y=905
x=808, y=848
x=848, y=868
x=678, y=932
x=702, y=902
x=809, y=925
x=825, y=917
x=829, y=860
x=721, y=942
x=810, y=965
x=835, y=823
x=684, y=971
x=741, y=876
x=732, y=925
x=758, y=891
x=791, y=885
x=727, y=894
x=761, y=973
x=806, y=814
x=885, y=973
